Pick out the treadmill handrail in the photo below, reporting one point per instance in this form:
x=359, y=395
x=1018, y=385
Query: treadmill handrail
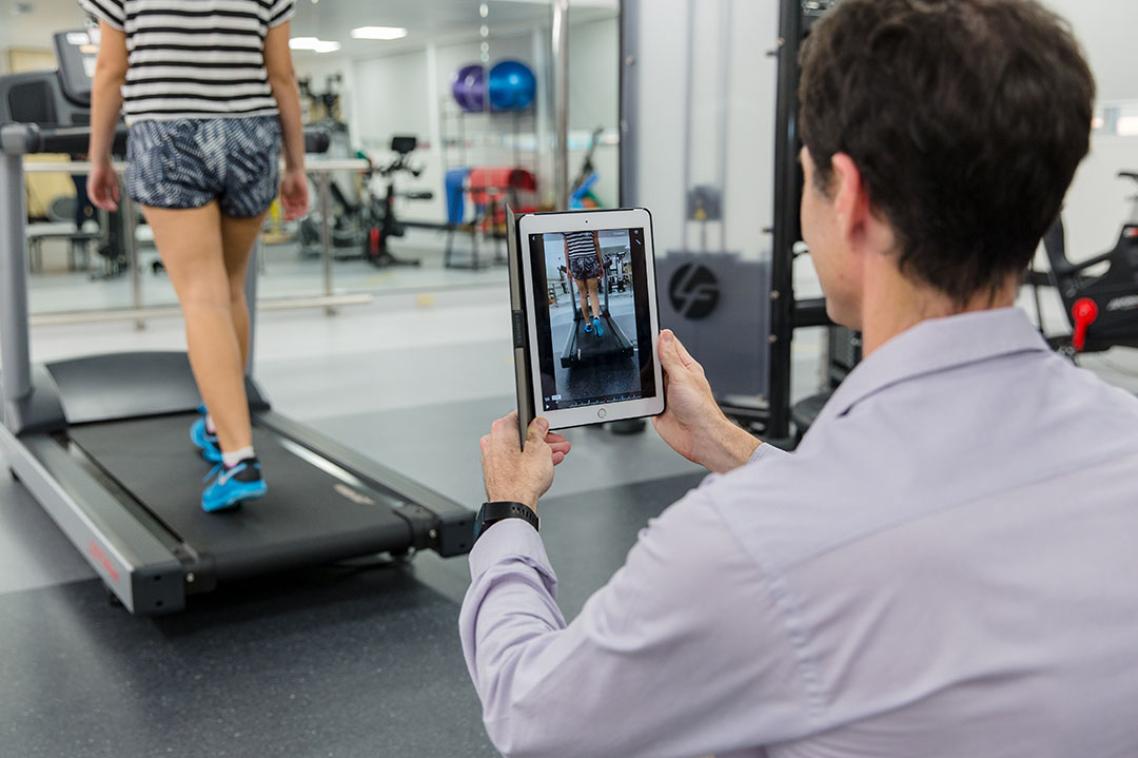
x=29, y=139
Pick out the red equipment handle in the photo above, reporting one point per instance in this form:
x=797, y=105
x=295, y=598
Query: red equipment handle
x=1083, y=312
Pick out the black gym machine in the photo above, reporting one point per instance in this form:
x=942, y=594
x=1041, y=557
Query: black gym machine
x=366, y=227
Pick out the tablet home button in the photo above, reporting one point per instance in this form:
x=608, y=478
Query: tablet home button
x=601, y=413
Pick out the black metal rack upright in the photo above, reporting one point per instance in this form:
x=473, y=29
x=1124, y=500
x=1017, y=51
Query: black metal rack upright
x=787, y=312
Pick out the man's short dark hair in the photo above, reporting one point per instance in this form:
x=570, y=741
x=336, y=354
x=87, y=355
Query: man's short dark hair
x=966, y=118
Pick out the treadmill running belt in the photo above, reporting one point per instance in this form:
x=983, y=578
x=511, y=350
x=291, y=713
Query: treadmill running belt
x=308, y=516
x=586, y=347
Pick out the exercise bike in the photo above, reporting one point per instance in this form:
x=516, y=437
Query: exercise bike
x=381, y=223
x=1103, y=309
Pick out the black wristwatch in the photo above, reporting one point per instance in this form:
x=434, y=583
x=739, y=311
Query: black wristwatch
x=492, y=513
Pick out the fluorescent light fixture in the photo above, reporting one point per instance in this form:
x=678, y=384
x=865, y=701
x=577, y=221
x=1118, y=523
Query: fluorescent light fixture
x=1127, y=126
x=379, y=32
x=314, y=44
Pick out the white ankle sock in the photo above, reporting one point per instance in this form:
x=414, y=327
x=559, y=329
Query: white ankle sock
x=232, y=459
x=209, y=425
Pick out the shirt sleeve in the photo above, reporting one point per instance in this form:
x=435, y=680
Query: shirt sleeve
x=683, y=652
x=110, y=11
x=281, y=11
x=767, y=450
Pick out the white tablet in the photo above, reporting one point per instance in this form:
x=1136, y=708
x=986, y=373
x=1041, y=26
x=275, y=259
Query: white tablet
x=589, y=314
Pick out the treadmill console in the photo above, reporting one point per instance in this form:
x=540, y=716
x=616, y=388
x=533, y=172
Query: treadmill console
x=76, y=52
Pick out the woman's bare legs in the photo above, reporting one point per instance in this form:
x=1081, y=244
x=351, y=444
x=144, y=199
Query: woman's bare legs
x=237, y=238
x=595, y=298
x=191, y=245
x=583, y=294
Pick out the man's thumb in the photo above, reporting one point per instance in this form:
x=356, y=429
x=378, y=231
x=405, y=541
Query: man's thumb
x=669, y=351
x=539, y=427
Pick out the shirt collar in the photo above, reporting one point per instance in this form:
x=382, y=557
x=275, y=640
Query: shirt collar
x=936, y=345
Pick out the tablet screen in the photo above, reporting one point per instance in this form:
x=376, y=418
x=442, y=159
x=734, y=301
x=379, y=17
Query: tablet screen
x=591, y=312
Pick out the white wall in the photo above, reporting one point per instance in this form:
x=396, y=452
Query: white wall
x=1106, y=29
x=745, y=119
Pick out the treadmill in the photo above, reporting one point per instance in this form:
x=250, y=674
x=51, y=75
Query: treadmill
x=102, y=442
x=585, y=348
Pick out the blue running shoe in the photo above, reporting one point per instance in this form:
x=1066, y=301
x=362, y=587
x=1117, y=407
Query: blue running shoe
x=597, y=325
x=205, y=442
x=232, y=486
x=588, y=328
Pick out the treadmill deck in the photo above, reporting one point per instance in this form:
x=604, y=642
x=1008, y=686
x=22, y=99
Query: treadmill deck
x=310, y=515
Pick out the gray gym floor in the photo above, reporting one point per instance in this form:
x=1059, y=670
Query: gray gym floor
x=341, y=661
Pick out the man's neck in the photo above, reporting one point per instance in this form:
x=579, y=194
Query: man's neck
x=893, y=304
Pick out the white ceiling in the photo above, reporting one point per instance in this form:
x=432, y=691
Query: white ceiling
x=429, y=20
x=30, y=23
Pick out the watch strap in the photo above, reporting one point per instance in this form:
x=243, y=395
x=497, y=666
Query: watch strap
x=493, y=512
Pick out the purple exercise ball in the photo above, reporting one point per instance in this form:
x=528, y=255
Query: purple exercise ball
x=469, y=88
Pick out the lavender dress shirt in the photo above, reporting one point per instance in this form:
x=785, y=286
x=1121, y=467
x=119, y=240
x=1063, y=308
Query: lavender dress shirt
x=947, y=566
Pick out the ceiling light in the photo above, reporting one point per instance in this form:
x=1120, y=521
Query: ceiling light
x=379, y=32
x=314, y=44
x=1127, y=126
x=484, y=10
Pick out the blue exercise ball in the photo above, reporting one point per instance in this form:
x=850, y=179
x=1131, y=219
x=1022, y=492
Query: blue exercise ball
x=512, y=86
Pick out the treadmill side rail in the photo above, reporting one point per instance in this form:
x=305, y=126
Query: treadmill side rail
x=437, y=521
x=146, y=576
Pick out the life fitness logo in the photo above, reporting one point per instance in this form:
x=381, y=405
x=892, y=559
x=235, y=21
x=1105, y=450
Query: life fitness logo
x=694, y=291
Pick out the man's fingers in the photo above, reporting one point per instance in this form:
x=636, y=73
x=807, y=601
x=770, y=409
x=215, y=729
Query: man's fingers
x=558, y=458
x=559, y=447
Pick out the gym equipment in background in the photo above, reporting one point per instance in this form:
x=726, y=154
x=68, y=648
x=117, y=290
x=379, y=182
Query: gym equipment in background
x=382, y=223
x=364, y=229
x=101, y=443
x=469, y=88
x=709, y=293
x=512, y=86
x=1103, y=309
x=455, y=183
x=490, y=190
x=581, y=196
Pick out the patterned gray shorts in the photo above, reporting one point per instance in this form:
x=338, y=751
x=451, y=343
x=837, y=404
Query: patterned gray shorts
x=186, y=163
x=585, y=267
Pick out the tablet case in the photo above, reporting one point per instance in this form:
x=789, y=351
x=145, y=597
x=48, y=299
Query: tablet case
x=522, y=378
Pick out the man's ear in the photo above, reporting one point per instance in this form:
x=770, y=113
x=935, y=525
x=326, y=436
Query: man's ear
x=851, y=201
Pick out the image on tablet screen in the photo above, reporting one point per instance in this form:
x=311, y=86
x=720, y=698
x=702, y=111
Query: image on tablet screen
x=591, y=306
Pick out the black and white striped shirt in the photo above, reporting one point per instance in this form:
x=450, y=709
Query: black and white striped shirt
x=581, y=245
x=194, y=58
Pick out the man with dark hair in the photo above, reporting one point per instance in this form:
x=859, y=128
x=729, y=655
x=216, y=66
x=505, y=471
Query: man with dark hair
x=946, y=565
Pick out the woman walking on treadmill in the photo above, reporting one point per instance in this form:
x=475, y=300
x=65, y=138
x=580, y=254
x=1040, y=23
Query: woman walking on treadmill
x=584, y=264
x=209, y=94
